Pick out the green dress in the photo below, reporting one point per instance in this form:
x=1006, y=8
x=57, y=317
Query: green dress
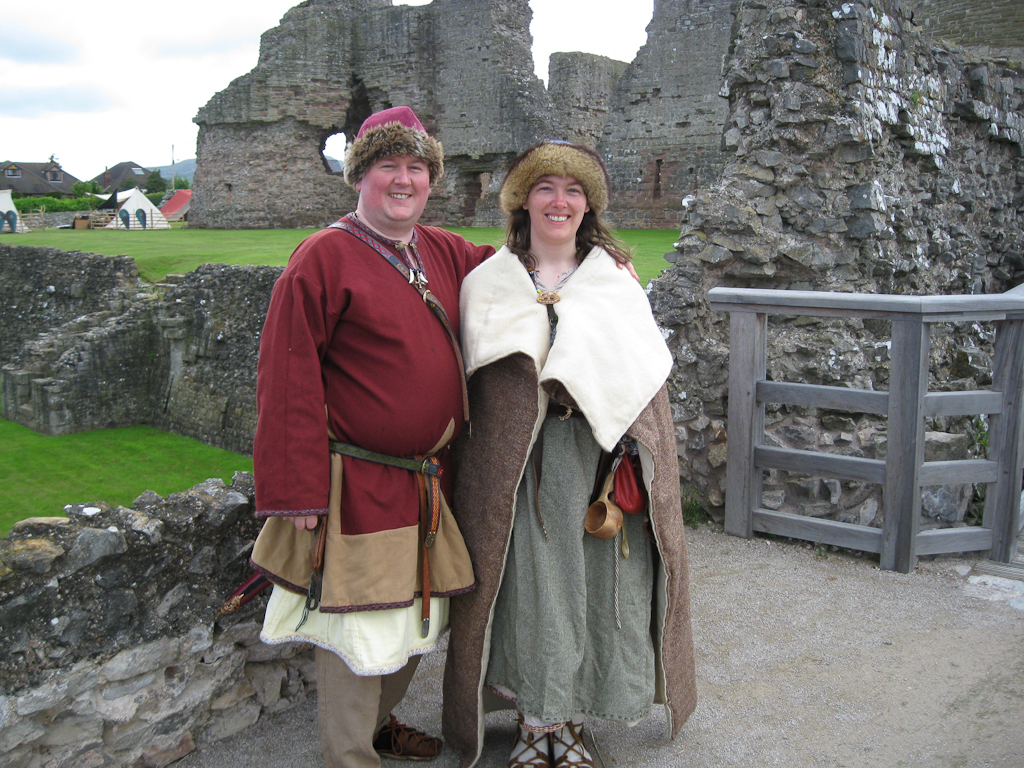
x=571, y=630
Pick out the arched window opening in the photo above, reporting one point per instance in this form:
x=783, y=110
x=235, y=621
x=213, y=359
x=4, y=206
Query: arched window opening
x=333, y=152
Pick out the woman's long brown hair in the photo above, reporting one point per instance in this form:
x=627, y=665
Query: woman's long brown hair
x=592, y=232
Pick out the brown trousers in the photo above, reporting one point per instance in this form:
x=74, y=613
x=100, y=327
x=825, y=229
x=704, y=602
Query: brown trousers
x=352, y=708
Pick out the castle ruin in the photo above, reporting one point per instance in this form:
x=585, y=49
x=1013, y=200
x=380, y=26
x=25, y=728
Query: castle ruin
x=855, y=154
x=467, y=69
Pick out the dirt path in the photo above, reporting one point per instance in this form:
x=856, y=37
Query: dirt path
x=805, y=659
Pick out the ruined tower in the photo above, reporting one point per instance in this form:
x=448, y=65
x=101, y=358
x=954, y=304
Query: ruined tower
x=465, y=66
x=664, y=133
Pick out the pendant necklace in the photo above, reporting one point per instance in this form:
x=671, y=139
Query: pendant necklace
x=547, y=295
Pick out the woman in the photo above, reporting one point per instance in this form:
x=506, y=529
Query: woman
x=566, y=363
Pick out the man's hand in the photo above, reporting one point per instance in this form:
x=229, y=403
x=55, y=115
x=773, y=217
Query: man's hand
x=628, y=266
x=306, y=521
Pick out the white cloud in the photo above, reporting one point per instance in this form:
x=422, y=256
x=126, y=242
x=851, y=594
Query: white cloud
x=26, y=45
x=97, y=86
x=40, y=102
x=213, y=47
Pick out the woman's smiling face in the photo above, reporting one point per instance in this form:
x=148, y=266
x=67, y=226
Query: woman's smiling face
x=556, y=205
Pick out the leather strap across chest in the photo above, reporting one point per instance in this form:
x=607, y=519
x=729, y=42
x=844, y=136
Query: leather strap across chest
x=428, y=298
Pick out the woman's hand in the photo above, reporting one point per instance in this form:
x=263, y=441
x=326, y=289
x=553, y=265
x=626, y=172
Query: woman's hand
x=303, y=522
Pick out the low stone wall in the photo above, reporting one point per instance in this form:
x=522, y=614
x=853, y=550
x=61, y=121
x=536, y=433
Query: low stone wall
x=111, y=649
x=85, y=345
x=42, y=288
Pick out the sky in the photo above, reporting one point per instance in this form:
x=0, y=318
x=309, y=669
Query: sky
x=95, y=85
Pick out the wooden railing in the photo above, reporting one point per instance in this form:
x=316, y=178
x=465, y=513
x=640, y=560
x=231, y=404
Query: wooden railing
x=908, y=402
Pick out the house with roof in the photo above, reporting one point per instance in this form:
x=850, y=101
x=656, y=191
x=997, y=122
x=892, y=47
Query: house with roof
x=124, y=175
x=36, y=179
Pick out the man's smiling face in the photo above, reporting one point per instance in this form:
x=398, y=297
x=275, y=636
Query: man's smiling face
x=393, y=194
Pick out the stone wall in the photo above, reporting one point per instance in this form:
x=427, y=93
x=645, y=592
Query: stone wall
x=44, y=287
x=989, y=28
x=210, y=324
x=465, y=65
x=111, y=648
x=865, y=158
x=582, y=88
x=467, y=69
x=664, y=134
x=86, y=347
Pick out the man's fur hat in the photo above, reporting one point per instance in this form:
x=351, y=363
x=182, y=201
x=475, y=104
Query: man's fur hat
x=555, y=158
x=392, y=132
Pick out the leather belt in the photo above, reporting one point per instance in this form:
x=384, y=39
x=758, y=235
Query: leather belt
x=428, y=471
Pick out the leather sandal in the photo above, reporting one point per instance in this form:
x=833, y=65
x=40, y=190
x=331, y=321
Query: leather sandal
x=570, y=739
x=530, y=750
x=400, y=742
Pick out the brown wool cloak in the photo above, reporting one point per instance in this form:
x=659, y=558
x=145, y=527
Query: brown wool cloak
x=489, y=460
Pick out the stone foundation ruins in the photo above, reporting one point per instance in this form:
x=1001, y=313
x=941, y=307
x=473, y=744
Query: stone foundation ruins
x=866, y=158
x=90, y=346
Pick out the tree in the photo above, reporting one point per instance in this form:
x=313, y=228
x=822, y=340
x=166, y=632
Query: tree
x=84, y=188
x=180, y=182
x=156, y=183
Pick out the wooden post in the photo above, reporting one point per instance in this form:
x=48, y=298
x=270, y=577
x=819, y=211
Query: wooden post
x=908, y=384
x=1002, y=500
x=748, y=346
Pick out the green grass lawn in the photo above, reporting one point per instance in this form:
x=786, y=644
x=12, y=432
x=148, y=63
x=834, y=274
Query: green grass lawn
x=41, y=473
x=161, y=252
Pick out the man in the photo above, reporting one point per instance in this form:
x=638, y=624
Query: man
x=354, y=327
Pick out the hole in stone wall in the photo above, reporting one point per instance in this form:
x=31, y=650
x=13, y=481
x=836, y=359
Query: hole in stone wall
x=657, y=179
x=473, y=190
x=333, y=152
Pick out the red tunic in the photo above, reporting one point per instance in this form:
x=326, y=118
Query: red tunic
x=345, y=329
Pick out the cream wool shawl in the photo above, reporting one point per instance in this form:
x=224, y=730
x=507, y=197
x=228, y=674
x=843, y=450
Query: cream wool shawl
x=608, y=352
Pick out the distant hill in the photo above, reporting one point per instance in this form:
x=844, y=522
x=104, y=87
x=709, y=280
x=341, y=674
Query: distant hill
x=187, y=168
x=184, y=168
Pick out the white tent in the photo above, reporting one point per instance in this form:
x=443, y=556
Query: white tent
x=137, y=212
x=10, y=219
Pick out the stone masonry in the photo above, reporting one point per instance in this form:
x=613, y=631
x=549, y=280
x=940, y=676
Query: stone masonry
x=467, y=69
x=112, y=652
x=865, y=158
x=89, y=346
x=988, y=28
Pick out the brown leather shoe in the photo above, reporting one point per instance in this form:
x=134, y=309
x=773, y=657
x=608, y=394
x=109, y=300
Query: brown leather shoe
x=567, y=743
x=400, y=742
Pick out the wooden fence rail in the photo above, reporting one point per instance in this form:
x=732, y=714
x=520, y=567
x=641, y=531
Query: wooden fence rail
x=908, y=402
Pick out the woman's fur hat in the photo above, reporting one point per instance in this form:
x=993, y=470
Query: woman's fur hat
x=555, y=158
x=392, y=132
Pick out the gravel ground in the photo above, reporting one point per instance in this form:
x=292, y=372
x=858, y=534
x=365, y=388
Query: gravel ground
x=806, y=658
